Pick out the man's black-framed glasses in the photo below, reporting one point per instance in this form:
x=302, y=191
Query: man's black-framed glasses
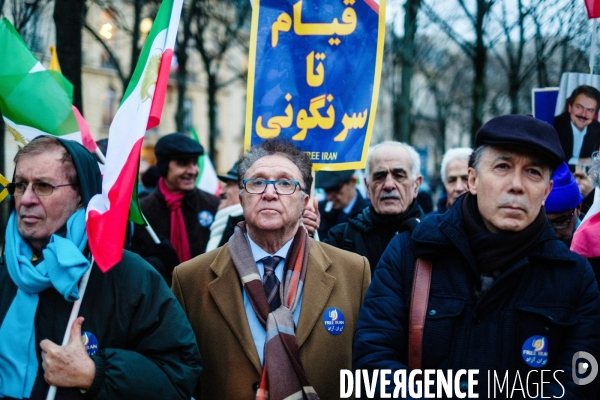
x=282, y=186
x=39, y=188
x=564, y=222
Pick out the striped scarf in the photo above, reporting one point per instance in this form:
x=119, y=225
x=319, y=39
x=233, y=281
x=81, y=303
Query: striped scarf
x=283, y=376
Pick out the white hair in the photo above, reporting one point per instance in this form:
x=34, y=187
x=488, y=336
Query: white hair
x=458, y=153
x=415, y=160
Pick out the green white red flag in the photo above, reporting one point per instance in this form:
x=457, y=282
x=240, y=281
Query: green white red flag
x=33, y=100
x=207, y=176
x=140, y=110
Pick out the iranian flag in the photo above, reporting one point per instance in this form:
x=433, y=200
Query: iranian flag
x=207, y=176
x=140, y=110
x=33, y=100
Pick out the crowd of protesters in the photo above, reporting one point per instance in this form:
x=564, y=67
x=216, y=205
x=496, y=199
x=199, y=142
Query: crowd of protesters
x=273, y=293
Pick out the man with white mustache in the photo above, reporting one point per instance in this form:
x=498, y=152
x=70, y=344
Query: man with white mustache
x=487, y=285
x=578, y=130
x=392, y=180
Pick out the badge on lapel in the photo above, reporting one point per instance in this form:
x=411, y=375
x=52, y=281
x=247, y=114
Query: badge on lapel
x=535, y=351
x=205, y=218
x=334, y=320
x=90, y=342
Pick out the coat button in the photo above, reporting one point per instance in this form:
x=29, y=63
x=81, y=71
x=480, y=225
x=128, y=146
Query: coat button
x=255, y=387
x=432, y=312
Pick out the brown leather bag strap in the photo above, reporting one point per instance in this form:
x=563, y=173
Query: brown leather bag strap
x=418, y=311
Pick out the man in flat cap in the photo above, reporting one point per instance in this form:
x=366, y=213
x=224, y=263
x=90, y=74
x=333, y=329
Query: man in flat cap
x=487, y=285
x=343, y=200
x=131, y=339
x=177, y=210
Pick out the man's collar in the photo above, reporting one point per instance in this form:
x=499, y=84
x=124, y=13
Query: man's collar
x=350, y=205
x=258, y=253
x=576, y=130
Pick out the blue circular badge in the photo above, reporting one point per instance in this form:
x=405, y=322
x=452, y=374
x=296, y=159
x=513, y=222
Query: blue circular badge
x=535, y=351
x=334, y=321
x=90, y=342
x=205, y=218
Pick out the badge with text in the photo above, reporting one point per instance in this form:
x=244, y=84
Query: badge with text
x=535, y=351
x=90, y=342
x=205, y=218
x=314, y=76
x=334, y=321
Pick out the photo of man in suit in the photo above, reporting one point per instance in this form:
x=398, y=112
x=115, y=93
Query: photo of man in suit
x=274, y=312
x=578, y=130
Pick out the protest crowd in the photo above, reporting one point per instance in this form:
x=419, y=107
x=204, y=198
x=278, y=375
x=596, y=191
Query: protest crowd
x=274, y=310
x=268, y=290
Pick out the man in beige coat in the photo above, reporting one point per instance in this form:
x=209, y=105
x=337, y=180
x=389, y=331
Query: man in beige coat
x=271, y=277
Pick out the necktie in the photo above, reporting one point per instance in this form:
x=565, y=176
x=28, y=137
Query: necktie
x=270, y=282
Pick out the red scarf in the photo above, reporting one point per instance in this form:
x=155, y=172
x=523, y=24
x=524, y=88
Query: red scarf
x=179, y=237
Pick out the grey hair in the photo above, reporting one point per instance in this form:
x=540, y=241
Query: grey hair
x=279, y=147
x=415, y=160
x=46, y=144
x=458, y=153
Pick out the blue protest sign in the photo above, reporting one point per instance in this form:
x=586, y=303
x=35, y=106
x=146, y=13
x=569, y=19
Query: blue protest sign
x=314, y=77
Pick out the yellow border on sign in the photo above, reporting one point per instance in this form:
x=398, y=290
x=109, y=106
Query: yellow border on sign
x=378, y=62
x=251, y=72
x=375, y=96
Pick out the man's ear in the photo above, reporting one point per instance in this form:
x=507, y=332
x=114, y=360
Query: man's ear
x=548, y=190
x=418, y=181
x=79, y=202
x=472, y=181
x=367, y=188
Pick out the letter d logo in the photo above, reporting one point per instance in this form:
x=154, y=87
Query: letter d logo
x=590, y=364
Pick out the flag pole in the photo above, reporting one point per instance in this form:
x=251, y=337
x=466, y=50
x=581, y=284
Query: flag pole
x=593, y=47
x=74, y=313
x=151, y=231
x=101, y=157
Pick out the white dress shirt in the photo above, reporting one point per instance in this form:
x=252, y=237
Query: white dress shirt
x=259, y=333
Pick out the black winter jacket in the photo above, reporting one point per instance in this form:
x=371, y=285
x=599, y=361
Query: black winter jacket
x=550, y=293
x=146, y=346
x=368, y=234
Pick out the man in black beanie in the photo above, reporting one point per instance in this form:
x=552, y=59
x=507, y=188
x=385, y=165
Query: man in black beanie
x=487, y=285
x=177, y=210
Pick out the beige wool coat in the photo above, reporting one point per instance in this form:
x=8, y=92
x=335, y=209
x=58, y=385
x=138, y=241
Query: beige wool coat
x=210, y=292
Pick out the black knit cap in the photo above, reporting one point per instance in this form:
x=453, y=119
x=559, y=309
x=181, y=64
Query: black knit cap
x=331, y=179
x=175, y=146
x=522, y=130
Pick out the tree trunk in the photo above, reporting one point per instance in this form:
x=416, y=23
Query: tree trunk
x=479, y=63
x=213, y=129
x=408, y=53
x=182, y=57
x=181, y=87
x=135, y=39
x=68, y=18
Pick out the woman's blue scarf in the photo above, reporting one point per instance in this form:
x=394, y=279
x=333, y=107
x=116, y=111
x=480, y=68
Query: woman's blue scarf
x=62, y=267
